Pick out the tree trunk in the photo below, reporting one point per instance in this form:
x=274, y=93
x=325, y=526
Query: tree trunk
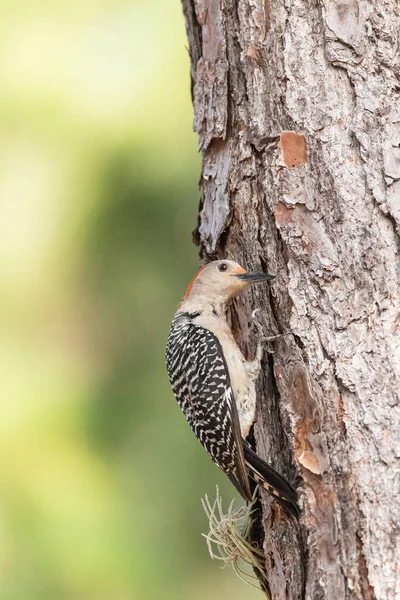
x=297, y=107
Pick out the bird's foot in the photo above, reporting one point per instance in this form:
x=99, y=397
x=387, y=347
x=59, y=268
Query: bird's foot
x=257, y=324
x=262, y=338
x=273, y=338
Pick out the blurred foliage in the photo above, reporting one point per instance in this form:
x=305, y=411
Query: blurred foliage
x=100, y=477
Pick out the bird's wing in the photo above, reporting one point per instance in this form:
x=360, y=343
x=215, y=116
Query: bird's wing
x=200, y=380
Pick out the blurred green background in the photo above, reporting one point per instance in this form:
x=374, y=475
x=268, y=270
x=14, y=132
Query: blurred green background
x=100, y=477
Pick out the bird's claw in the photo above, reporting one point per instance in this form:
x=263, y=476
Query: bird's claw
x=256, y=323
x=273, y=338
x=262, y=338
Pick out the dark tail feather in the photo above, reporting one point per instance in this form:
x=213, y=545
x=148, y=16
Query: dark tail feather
x=272, y=481
x=237, y=485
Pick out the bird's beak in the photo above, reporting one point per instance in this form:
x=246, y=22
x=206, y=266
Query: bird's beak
x=254, y=277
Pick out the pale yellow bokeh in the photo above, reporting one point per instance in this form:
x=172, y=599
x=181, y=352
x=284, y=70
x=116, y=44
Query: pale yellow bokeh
x=100, y=477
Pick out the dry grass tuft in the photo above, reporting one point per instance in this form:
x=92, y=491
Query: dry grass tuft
x=228, y=538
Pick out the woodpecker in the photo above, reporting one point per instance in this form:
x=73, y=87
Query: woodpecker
x=214, y=384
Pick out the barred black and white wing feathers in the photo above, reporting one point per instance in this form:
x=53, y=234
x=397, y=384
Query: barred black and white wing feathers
x=200, y=381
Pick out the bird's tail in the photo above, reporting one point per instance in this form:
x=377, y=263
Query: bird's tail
x=271, y=480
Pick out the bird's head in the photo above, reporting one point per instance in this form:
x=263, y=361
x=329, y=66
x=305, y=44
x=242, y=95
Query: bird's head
x=222, y=280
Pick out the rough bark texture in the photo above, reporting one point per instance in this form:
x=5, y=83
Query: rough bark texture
x=297, y=108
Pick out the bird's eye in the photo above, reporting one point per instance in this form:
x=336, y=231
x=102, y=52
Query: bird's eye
x=222, y=267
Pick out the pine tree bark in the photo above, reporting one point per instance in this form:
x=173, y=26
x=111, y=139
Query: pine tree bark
x=297, y=108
